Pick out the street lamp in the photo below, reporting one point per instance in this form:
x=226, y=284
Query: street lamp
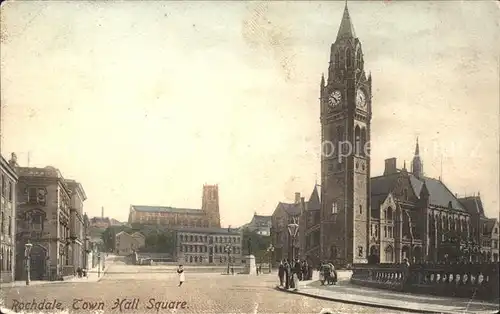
x=27, y=255
x=270, y=251
x=293, y=228
x=228, y=248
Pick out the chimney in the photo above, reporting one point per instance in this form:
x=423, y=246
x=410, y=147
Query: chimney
x=102, y=212
x=390, y=166
x=297, y=197
x=302, y=204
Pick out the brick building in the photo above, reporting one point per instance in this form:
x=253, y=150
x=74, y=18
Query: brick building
x=8, y=181
x=208, y=216
x=208, y=245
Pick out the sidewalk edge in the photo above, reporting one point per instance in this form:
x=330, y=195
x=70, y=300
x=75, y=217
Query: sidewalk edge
x=375, y=305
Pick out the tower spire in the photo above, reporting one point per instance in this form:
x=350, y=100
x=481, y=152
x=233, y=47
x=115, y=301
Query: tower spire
x=346, y=29
x=416, y=164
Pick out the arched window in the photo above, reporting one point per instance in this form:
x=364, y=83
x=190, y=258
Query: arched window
x=337, y=60
x=348, y=60
x=389, y=213
x=357, y=137
x=389, y=254
x=364, y=148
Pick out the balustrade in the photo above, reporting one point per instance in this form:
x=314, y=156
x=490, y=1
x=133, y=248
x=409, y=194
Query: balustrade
x=459, y=280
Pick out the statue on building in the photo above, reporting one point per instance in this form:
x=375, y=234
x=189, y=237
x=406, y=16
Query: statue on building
x=13, y=160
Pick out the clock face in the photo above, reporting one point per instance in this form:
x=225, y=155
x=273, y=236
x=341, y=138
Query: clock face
x=335, y=98
x=360, y=99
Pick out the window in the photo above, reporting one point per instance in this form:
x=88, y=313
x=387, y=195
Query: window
x=32, y=197
x=334, y=208
x=3, y=185
x=11, y=192
x=360, y=209
x=405, y=194
x=360, y=251
x=495, y=231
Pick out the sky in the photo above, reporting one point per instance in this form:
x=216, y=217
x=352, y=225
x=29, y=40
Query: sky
x=144, y=102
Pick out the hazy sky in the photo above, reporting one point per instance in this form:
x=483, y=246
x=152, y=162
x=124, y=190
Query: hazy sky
x=144, y=102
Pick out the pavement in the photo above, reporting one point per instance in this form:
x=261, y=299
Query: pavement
x=93, y=275
x=353, y=294
x=201, y=293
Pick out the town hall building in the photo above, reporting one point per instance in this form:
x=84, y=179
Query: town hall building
x=362, y=219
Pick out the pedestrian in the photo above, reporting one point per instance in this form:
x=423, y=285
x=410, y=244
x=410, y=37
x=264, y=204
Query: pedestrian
x=287, y=274
x=281, y=273
x=296, y=274
x=182, y=277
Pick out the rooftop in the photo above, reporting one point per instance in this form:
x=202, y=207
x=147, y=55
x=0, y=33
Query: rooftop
x=165, y=209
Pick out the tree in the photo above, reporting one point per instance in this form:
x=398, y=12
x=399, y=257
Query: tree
x=260, y=243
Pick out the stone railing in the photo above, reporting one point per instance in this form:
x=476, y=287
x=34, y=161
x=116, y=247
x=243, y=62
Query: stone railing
x=458, y=280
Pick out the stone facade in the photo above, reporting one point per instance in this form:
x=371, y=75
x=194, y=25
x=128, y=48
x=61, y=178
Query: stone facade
x=208, y=246
x=345, y=101
x=284, y=214
x=46, y=205
x=8, y=181
x=208, y=216
x=77, y=228
x=399, y=214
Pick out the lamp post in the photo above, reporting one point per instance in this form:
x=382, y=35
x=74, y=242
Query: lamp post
x=228, y=248
x=293, y=228
x=270, y=251
x=98, y=264
x=27, y=255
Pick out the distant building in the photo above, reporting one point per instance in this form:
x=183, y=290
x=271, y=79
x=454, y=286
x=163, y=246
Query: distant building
x=208, y=246
x=173, y=217
x=259, y=224
x=8, y=178
x=126, y=244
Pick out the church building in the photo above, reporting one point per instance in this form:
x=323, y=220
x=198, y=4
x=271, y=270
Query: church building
x=208, y=216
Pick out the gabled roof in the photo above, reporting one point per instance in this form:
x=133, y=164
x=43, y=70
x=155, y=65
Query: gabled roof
x=137, y=234
x=314, y=202
x=291, y=209
x=163, y=209
x=473, y=205
x=260, y=220
x=439, y=194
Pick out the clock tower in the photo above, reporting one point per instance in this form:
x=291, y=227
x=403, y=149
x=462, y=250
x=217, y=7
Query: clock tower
x=345, y=100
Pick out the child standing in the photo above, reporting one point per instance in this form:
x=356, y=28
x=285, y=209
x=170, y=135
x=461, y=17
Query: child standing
x=180, y=271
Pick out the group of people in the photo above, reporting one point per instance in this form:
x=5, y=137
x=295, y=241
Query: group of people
x=327, y=273
x=290, y=273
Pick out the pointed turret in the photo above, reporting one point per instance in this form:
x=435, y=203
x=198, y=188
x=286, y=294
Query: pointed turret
x=322, y=80
x=346, y=29
x=416, y=165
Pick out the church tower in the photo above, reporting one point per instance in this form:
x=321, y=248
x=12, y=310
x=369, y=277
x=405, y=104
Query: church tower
x=345, y=100
x=210, y=205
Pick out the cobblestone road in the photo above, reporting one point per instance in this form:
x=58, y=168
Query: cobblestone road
x=202, y=293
